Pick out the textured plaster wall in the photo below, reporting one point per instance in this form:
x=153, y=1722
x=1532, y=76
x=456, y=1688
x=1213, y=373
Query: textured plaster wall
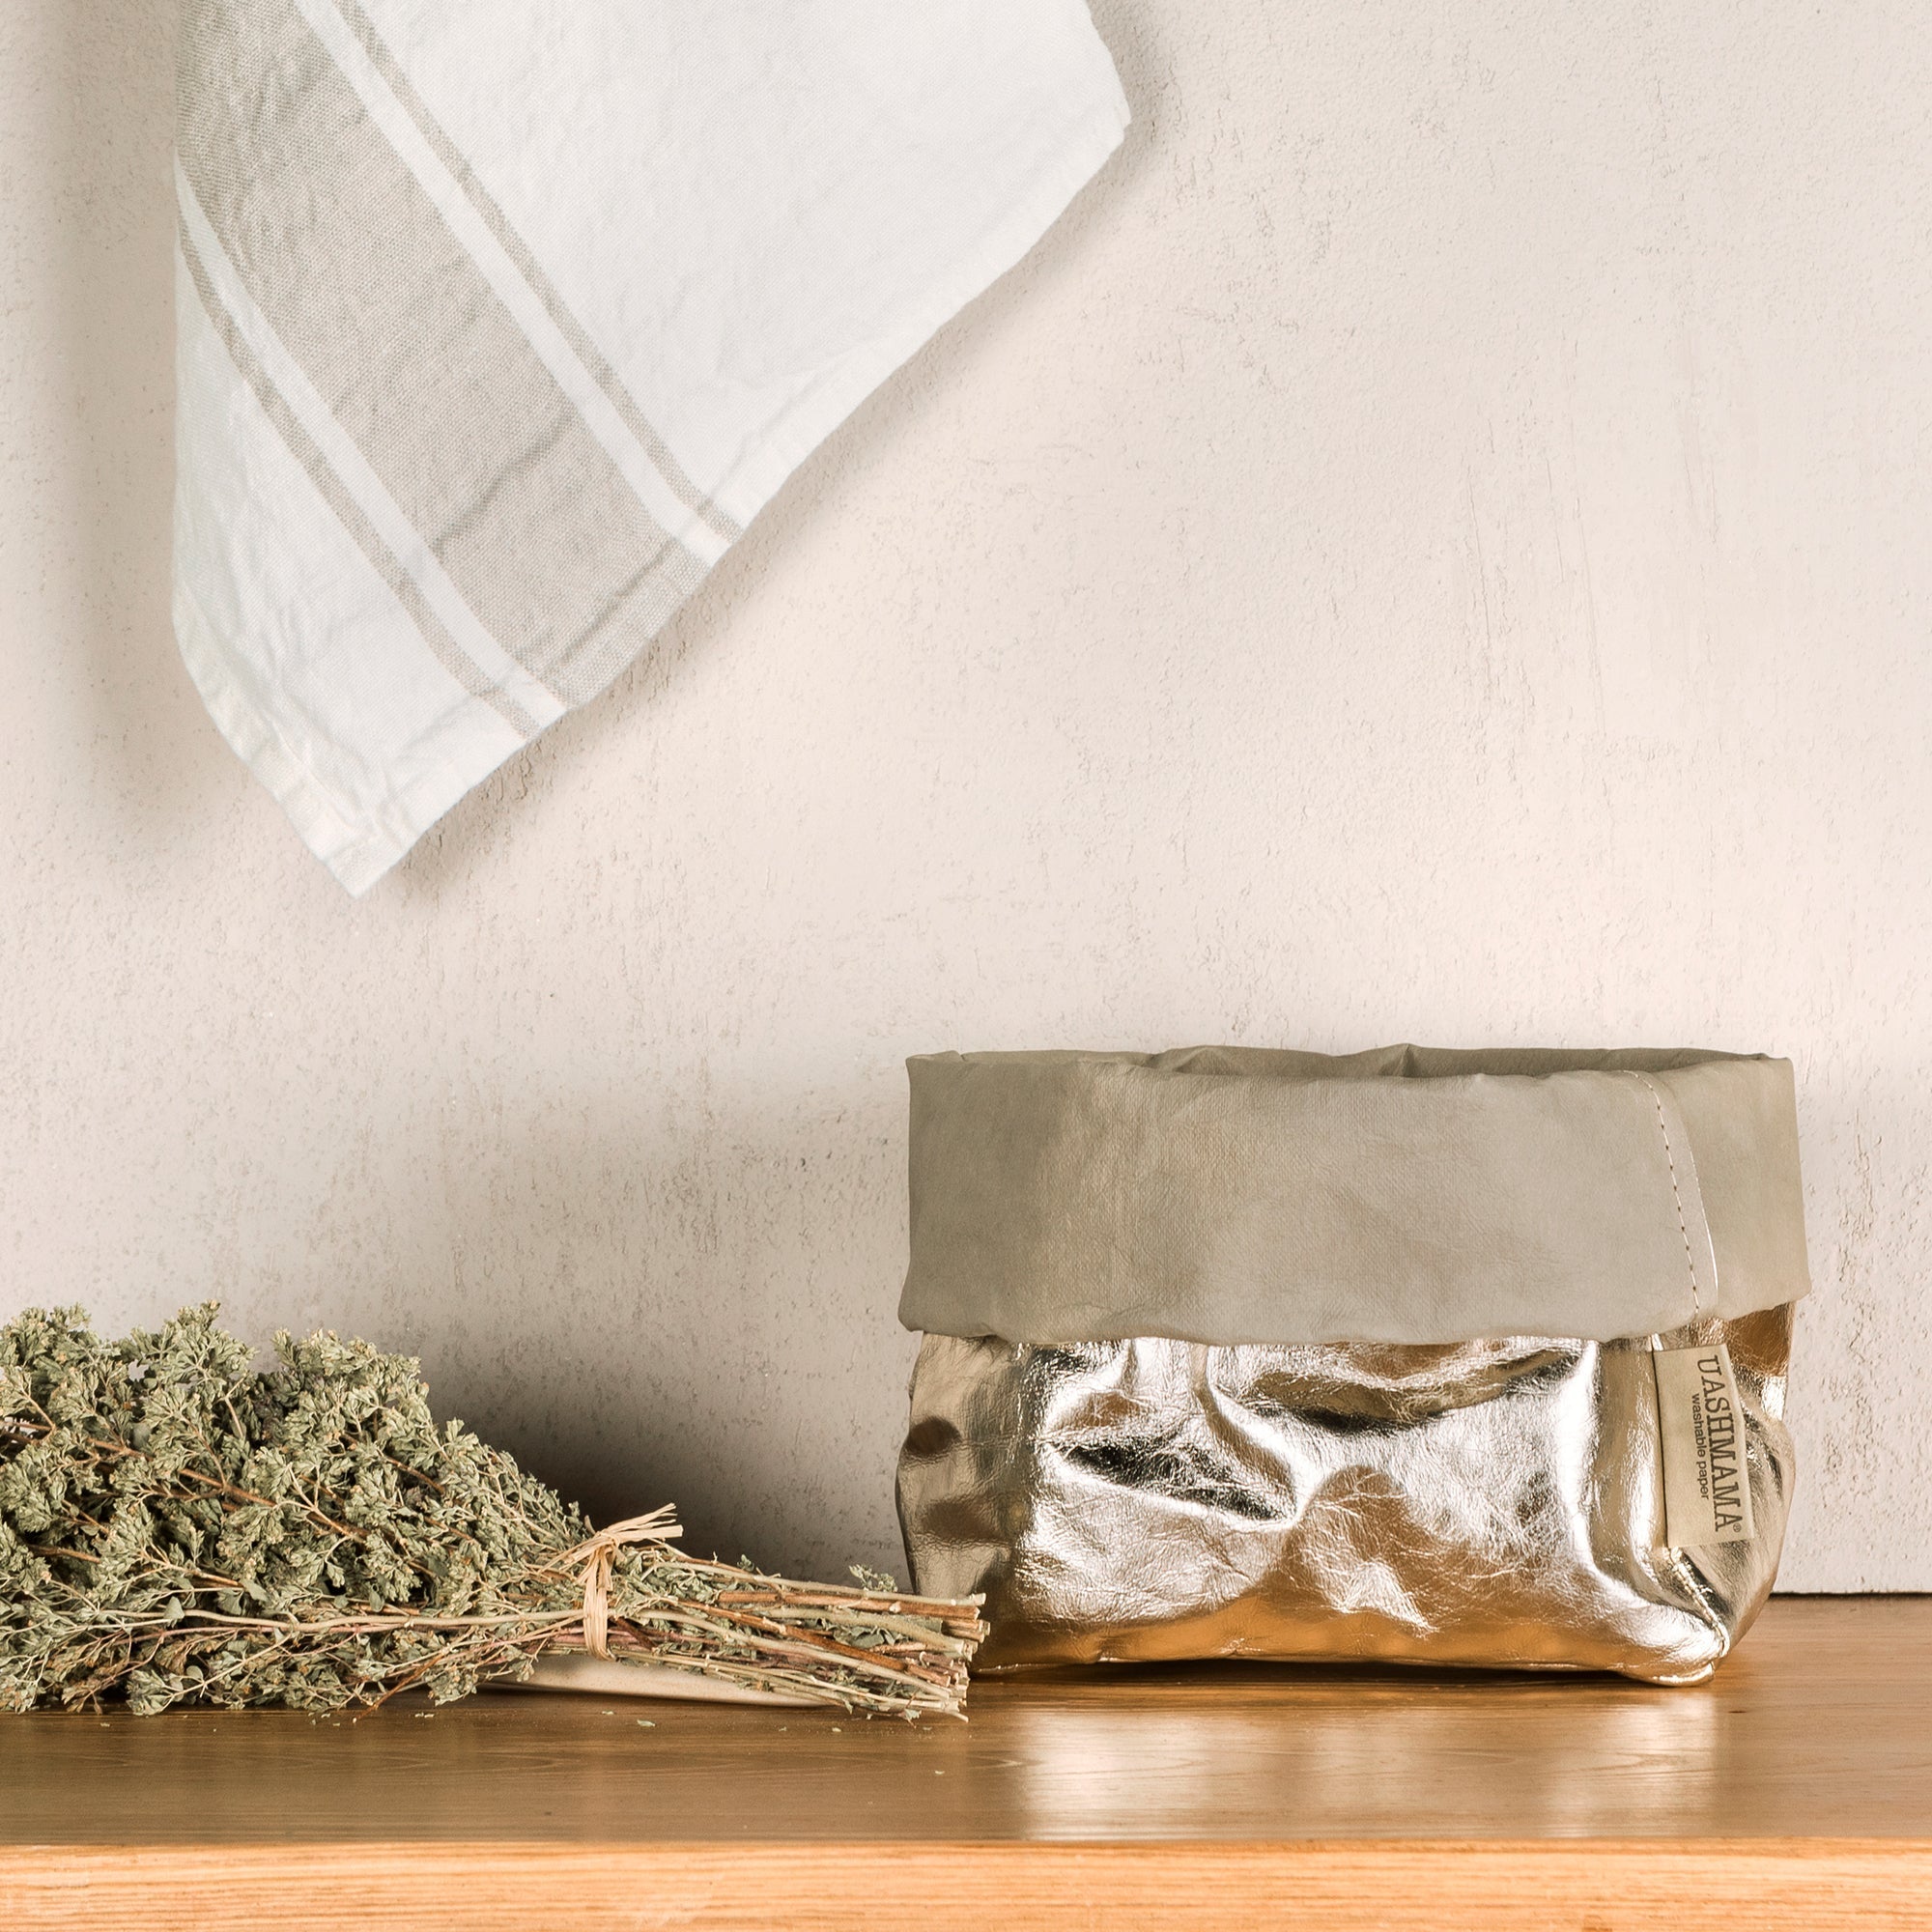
x=1436, y=547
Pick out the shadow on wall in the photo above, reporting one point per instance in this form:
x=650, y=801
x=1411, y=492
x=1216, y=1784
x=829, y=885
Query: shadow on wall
x=704, y=1315
x=107, y=184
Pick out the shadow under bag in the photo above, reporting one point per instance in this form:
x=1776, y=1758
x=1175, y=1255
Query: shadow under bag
x=1415, y=1356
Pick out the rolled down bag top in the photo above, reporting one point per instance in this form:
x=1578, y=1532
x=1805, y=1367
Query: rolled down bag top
x=1234, y=1194
x=1393, y=1356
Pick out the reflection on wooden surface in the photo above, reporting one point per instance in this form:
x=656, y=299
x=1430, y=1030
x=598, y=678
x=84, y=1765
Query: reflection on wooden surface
x=1203, y=1797
x=1821, y=1724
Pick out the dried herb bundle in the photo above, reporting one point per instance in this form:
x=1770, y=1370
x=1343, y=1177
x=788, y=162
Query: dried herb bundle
x=175, y=1526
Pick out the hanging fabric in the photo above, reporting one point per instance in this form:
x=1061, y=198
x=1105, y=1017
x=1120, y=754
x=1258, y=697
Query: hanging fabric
x=500, y=320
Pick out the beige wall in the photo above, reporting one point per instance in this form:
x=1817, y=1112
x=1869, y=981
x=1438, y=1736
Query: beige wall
x=1437, y=546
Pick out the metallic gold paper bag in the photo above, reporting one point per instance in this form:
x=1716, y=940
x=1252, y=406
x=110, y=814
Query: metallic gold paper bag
x=1236, y=1353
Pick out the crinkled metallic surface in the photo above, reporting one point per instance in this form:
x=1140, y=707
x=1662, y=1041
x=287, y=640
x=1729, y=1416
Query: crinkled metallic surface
x=1488, y=1503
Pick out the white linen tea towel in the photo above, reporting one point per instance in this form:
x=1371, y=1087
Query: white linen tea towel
x=500, y=319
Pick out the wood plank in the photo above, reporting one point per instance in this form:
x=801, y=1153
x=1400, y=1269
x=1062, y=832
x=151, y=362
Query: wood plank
x=1795, y=1789
x=1821, y=1725
x=1410, y=1886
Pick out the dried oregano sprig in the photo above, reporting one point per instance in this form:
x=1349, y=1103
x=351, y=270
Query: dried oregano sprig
x=178, y=1527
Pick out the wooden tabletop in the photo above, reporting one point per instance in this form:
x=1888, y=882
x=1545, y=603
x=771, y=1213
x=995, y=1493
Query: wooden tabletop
x=1795, y=1789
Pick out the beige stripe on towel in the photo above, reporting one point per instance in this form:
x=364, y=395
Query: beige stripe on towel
x=417, y=358
x=451, y=655
x=531, y=270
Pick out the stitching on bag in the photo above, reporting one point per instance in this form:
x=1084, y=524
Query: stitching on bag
x=1676, y=1195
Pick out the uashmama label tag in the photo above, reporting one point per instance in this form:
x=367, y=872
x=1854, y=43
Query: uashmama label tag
x=1706, y=1485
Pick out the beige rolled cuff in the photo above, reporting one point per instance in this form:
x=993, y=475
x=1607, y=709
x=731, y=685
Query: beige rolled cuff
x=1226, y=1195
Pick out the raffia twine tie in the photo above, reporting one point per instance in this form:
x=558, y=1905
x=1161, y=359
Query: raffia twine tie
x=599, y=1557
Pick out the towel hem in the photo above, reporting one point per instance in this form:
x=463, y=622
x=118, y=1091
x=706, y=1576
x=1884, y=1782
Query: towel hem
x=356, y=855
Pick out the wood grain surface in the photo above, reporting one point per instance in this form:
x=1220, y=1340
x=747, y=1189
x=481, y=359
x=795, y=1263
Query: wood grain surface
x=1794, y=1790
x=1412, y=1885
